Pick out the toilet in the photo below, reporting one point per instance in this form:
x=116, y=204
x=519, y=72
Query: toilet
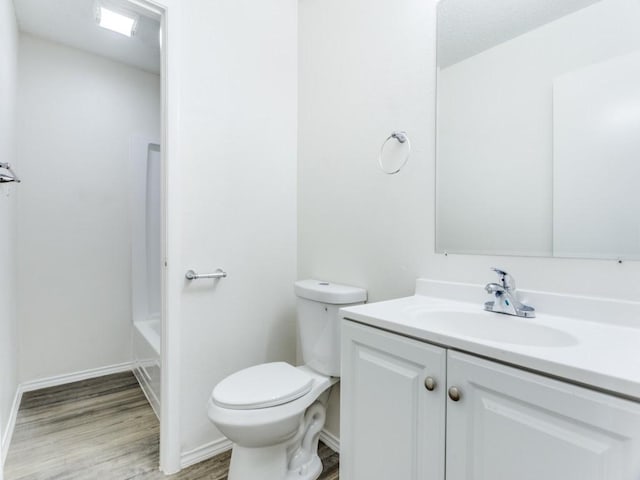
x=274, y=412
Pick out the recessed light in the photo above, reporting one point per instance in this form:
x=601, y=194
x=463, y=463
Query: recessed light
x=116, y=22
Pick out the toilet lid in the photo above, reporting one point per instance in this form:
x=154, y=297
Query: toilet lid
x=262, y=386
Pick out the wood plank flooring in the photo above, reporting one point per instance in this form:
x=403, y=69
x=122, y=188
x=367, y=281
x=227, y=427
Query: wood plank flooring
x=103, y=429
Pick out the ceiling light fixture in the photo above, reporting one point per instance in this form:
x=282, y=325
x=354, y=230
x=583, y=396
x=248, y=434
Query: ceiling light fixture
x=117, y=22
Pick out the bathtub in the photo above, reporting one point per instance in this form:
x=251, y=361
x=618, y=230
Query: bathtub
x=146, y=348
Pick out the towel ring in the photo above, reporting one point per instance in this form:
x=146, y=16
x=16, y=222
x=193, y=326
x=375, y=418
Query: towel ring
x=401, y=137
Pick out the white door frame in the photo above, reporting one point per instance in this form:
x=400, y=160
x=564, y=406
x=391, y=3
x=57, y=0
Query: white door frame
x=168, y=12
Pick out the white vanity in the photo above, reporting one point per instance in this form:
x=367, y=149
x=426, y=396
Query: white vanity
x=434, y=387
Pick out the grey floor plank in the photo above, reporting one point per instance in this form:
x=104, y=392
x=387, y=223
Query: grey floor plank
x=104, y=429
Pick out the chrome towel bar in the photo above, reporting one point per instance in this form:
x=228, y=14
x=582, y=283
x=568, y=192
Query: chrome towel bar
x=4, y=178
x=191, y=275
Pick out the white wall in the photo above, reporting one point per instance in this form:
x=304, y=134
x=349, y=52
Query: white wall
x=76, y=115
x=501, y=102
x=367, y=68
x=237, y=204
x=8, y=329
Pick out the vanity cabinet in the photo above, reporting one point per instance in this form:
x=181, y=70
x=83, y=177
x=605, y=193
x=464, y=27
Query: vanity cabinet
x=512, y=424
x=497, y=422
x=392, y=427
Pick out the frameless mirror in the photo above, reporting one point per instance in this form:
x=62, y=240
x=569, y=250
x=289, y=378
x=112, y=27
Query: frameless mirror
x=538, y=128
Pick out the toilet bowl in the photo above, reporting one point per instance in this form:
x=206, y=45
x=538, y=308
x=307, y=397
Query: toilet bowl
x=274, y=412
x=270, y=436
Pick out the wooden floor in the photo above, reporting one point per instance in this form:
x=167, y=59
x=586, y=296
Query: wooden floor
x=101, y=429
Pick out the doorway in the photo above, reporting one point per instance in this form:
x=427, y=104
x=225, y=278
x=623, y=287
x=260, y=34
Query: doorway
x=85, y=99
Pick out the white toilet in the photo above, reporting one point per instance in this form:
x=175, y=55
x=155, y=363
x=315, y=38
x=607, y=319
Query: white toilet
x=274, y=412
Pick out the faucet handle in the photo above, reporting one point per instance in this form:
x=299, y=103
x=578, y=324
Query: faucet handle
x=507, y=281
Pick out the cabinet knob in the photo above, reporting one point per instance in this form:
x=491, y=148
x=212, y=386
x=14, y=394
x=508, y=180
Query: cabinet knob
x=454, y=394
x=430, y=383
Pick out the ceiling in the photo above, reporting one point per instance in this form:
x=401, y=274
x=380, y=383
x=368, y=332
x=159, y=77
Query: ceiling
x=468, y=27
x=72, y=23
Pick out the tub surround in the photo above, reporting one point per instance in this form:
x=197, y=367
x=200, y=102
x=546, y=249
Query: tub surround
x=147, y=360
x=598, y=337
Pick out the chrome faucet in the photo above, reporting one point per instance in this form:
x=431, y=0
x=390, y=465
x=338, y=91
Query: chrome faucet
x=505, y=297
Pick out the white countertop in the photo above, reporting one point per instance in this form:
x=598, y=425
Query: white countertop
x=602, y=354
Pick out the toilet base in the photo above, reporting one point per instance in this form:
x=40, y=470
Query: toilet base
x=269, y=463
x=310, y=471
x=295, y=459
x=258, y=463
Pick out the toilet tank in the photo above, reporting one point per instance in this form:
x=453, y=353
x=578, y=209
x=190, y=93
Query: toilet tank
x=318, y=304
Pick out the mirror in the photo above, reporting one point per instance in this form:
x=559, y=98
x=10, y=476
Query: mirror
x=538, y=128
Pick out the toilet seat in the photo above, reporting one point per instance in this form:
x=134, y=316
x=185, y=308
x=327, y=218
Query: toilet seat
x=263, y=427
x=262, y=386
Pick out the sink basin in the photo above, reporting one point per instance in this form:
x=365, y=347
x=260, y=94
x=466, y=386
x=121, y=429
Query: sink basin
x=493, y=327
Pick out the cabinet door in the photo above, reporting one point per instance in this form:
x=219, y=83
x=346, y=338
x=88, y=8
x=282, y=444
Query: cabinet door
x=514, y=425
x=392, y=426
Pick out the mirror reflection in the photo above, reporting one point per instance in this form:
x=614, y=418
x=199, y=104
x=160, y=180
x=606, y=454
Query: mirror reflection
x=538, y=128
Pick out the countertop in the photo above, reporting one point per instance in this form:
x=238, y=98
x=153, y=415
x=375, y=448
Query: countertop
x=604, y=355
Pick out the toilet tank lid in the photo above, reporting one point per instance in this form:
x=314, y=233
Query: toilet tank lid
x=327, y=292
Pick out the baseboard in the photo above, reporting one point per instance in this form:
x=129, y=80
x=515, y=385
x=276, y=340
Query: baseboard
x=210, y=450
x=204, y=452
x=11, y=424
x=330, y=440
x=75, y=377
